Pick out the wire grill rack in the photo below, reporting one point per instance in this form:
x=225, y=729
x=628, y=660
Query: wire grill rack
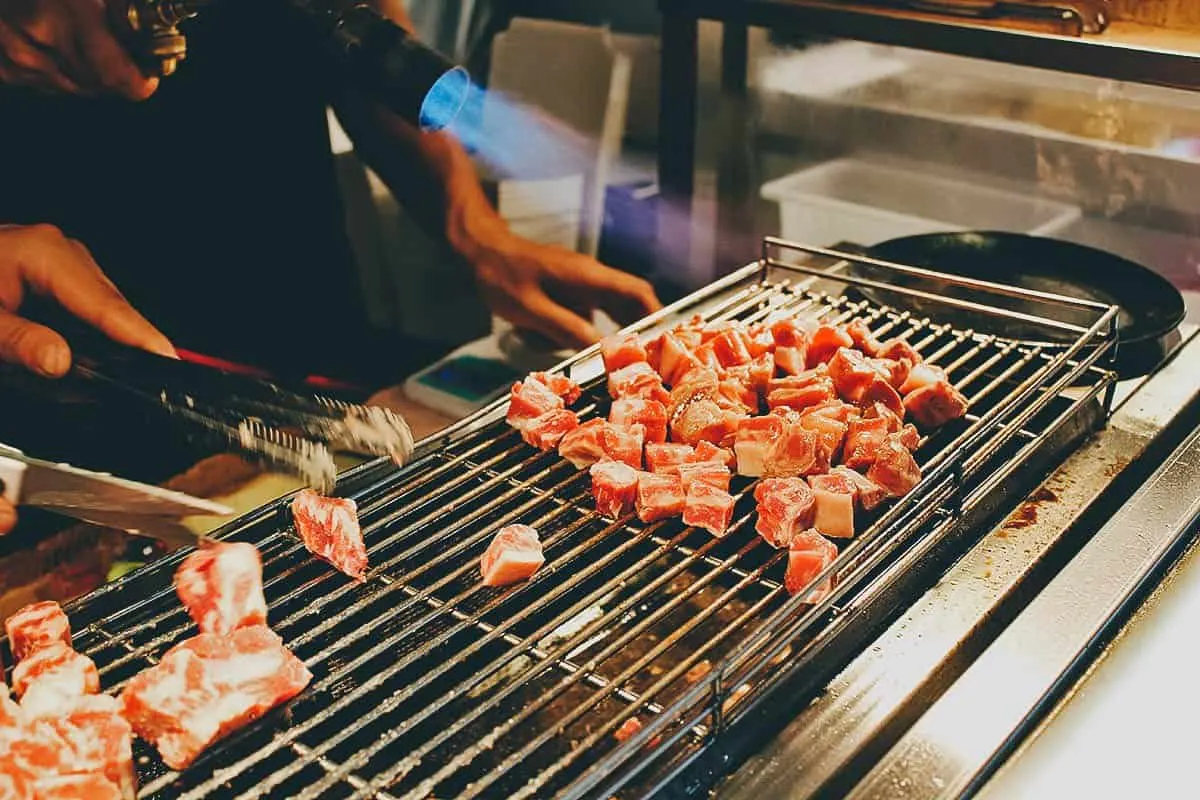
x=428, y=684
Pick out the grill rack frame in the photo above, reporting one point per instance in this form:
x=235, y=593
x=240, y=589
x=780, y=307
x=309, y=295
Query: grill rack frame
x=946, y=479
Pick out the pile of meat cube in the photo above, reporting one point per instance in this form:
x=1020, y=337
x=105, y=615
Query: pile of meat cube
x=66, y=740
x=827, y=416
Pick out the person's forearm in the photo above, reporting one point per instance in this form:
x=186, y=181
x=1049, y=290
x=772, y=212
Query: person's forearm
x=430, y=174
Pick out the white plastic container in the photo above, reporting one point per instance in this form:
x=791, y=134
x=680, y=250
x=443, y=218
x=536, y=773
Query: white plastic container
x=862, y=203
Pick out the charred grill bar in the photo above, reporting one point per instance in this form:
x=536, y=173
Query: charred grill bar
x=427, y=684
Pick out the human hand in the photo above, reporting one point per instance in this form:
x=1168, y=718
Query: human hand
x=8, y=516
x=553, y=291
x=67, y=46
x=41, y=260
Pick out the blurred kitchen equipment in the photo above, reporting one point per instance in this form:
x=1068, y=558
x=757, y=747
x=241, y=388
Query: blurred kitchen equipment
x=1151, y=309
x=1069, y=17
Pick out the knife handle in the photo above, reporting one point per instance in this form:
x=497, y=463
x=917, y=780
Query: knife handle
x=12, y=474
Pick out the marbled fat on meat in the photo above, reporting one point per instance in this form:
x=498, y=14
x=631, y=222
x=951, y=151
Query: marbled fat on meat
x=785, y=508
x=513, y=555
x=37, y=625
x=709, y=507
x=59, y=668
x=220, y=585
x=808, y=554
x=329, y=528
x=208, y=687
x=614, y=487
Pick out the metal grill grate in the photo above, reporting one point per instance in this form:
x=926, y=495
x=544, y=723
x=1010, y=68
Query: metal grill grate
x=427, y=684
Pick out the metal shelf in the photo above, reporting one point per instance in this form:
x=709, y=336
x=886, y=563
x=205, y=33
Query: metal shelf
x=1125, y=51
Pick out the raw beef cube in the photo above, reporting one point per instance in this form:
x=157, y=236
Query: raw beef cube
x=809, y=553
x=15, y=783
x=790, y=360
x=760, y=371
x=677, y=359
x=801, y=380
x=868, y=493
x=789, y=333
x=863, y=440
x=636, y=380
x=659, y=496
x=654, y=349
x=825, y=342
x=561, y=385
x=547, y=431
x=836, y=410
x=329, y=529
x=835, y=505
x=832, y=432
x=75, y=787
x=798, y=451
x=57, y=667
x=785, y=508
x=730, y=348
x=660, y=457
x=738, y=396
x=894, y=371
x=759, y=341
x=923, y=375
x=894, y=468
x=37, y=625
x=815, y=393
x=221, y=587
x=754, y=440
x=706, y=354
x=710, y=472
x=702, y=420
x=898, y=349
x=708, y=507
x=699, y=384
x=707, y=451
x=598, y=439
x=909, y=437
x=208, y=687
x=711, y=330
x=651, y=414
x=528, y=401
x=881, y=411
x=880, y=391
x=851, y=373
x=621, y=350
x=864, y=340
x=934, y=405
x=514, y=554
x=98, y=741
x=614, y=485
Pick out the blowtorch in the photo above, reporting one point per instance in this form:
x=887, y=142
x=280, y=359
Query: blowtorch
x=416, y=82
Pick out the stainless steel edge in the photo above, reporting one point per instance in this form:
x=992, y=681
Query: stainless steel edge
x=868, y=707
x=1013, y=683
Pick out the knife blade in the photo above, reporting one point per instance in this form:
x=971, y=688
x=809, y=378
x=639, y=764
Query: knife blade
x=103, y=499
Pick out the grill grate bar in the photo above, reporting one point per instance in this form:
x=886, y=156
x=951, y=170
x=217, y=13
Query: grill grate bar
x=579, y=710
x=559, y=652
x=485, y=477
x=276, y=578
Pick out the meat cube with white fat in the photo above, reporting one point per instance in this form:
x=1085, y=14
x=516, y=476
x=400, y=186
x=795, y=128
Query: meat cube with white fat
x=709, y=507
x=785, y=508
x=834, y=495
x=514, y=555
x=753, y=442
x=37, y=625
x=662, y=456
x=598, y=439
x=650, y=414
x=57, y=668
x=529, y=400
x=614, y=486
x=546, y=431
x=809, y=554
x=894, y=468
x=220, y=585
x=659, y=496
x=620, y=350
x=329, y=528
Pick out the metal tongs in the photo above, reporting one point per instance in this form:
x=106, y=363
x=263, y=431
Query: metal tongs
x=278, y=428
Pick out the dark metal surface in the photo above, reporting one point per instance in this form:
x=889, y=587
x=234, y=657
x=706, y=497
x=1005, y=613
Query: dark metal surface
x=429, y=684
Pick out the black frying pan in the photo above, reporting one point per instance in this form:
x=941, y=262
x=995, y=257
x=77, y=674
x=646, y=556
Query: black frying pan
x=1150, y=307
